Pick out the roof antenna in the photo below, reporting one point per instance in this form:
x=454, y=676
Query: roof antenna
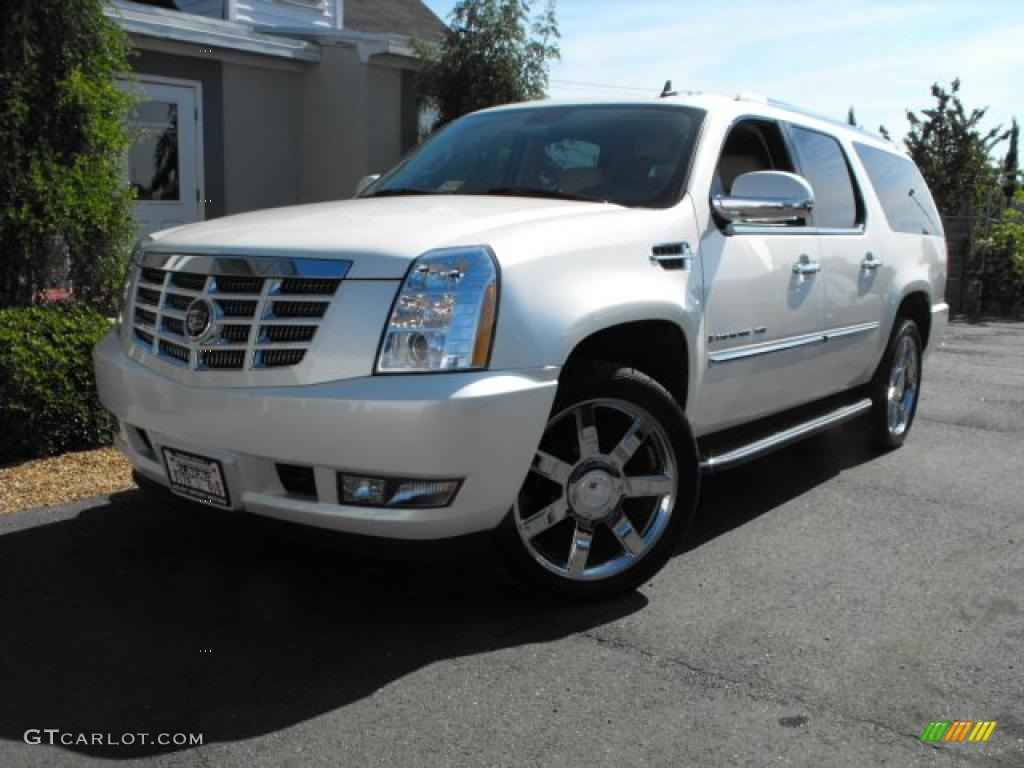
x=667, y=91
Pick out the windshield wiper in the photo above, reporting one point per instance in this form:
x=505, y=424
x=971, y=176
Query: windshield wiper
x=399, y=191
x=538, y=192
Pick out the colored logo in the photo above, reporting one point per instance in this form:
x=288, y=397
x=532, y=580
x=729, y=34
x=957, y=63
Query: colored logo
x=958, y=730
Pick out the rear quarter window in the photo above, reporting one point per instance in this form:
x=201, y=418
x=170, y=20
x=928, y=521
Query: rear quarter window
x=901, y=190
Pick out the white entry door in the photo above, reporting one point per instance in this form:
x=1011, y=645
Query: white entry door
x=164, y=161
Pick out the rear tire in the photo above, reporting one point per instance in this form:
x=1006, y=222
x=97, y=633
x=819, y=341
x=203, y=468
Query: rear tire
x=896, y=387
x=612, y=490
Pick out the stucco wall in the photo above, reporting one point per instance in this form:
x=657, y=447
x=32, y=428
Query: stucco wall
x=263, y=139
x=352, y=122
x=304, y=133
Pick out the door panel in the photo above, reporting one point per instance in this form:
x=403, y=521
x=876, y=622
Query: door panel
x=762, y=322
x=853, y=279
x=853, y=304
x=163, y=161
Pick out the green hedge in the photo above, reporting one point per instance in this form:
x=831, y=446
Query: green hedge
x=996, y=268
x=48, y=399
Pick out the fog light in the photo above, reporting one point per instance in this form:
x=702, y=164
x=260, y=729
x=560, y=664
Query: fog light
x=363, y=490
x=396, y=492
x=424, y=493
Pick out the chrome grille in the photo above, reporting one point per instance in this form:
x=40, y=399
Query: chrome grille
x=188, y=281
x=266, y=311
x=145, y=317
x=229, y=284
x=174, y=324
x=286, y=333
x=237, y=308
x=178, y=301
x=278, y=358
x=223, y=359
x=147, y=296
x=237, y=333
x=309, y=285
x=153, y=276
x=177, y=351
x=298, y=308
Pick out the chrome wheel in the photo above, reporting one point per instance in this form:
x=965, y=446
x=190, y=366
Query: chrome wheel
x=600, y=492
x=904, y=378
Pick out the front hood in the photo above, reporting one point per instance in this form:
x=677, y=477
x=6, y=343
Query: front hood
x=380, y=235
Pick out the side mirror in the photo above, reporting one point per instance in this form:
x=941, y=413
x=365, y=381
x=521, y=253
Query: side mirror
x=765, y=197
x=365, y=183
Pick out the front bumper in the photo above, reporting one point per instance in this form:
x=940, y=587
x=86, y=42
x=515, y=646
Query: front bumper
x=483, y=427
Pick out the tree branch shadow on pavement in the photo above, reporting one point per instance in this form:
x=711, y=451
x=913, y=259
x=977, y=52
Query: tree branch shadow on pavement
x=134, y=617
x=107, y=618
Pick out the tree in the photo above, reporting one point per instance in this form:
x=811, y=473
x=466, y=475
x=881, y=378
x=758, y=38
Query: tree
x=1011, y=165
x=495, y=52
x=952, y=151
x=63, y=137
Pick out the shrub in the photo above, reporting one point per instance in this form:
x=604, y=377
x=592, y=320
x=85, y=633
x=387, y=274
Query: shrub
x=48, y=399
x=64, y=204
x=997, y=267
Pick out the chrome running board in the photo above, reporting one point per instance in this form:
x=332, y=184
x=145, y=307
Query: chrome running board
x=781, y=439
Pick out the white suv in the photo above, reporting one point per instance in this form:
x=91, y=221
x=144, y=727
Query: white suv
x=544, y=324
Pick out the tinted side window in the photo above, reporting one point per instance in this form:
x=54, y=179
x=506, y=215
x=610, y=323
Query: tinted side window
x=902, y=192
x=824, y=165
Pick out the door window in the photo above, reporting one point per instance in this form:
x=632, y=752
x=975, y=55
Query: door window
x=752, y=145
x=153, y=159
x=824, y=165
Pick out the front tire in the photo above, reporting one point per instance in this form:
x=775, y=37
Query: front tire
x=896, y=387
x=612, y=489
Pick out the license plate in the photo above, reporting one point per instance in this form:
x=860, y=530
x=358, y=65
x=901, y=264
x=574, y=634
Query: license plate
x=197, y=477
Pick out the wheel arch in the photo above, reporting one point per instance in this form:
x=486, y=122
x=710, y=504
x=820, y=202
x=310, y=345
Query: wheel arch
x=916, y=305
x=657, y=348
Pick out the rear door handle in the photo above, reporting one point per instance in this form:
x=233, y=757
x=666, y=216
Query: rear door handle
x=871, y=261
x=805, y=266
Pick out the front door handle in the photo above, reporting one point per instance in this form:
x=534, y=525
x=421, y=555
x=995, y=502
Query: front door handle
x=805, y=266
x=871, y=261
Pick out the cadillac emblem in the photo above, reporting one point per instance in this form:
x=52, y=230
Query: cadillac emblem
x=199, y=321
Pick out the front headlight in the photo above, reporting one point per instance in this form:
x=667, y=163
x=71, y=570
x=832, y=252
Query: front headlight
x=443, y=318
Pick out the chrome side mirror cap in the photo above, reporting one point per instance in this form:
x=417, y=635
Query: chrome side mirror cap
x=365, y=183
x=765, y=197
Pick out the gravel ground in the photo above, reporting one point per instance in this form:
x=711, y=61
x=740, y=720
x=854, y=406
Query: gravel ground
x=61, y=479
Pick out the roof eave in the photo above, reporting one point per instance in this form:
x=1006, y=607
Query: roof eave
x=149, y=22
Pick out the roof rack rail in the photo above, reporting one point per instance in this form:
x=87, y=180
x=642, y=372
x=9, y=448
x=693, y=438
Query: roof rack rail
x=761, y=99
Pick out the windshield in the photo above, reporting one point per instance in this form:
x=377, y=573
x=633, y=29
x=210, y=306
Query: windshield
x=629, y=155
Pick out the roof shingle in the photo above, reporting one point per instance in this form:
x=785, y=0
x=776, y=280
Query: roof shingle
x=410, y=18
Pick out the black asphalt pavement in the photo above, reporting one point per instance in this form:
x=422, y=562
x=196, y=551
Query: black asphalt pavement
x=831, y=603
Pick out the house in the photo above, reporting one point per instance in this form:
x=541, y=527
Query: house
x=250, y=104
